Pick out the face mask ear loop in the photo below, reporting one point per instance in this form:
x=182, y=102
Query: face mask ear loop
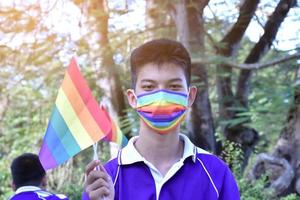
x=136, y=99
x=188, y=98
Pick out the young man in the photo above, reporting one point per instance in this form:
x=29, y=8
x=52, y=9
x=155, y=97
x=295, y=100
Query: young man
x=161, y=163
x=29, y=177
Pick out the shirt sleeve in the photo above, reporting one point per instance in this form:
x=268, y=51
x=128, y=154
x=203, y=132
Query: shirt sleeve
x=85, y=196
x=229, y=190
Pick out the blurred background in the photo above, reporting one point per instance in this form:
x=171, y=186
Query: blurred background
x=246, y=66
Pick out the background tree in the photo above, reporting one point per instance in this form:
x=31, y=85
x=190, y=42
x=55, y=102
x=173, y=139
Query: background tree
x=188, y=18
x=282, y=163
x=231, y=106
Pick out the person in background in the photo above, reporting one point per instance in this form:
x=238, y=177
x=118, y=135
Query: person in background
x=29, y=179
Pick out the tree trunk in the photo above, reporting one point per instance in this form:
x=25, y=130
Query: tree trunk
x=200, y=124
x=188, y=17
x=283, y=164
x=246, y=136
x=110, y=83
x=158, y=19
x=229, y=47
x=152, y=17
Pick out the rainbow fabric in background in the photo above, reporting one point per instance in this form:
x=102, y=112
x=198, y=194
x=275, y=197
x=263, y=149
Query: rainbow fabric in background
x=77, y=121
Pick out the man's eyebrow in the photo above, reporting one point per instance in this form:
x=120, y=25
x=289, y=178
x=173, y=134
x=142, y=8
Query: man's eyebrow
x=170, y=80
x=175, y=80
x=147, y=80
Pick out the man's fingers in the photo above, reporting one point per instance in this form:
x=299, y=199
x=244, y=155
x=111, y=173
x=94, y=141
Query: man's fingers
x=102, y=168
x=97, y=184
x=99, y=193
x=94, y=175
x=91, y=166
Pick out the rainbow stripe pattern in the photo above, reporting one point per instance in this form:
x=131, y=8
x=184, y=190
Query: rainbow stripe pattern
x=116, y=136
x=162, y=110
x=76, y=123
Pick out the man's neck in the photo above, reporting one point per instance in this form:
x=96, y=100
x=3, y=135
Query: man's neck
x=160, y=150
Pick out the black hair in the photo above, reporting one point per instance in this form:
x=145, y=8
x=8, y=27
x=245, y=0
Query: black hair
x=160, y=51
x=27, y=170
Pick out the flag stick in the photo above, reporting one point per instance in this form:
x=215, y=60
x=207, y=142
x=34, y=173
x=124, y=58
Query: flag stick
x=95, y=157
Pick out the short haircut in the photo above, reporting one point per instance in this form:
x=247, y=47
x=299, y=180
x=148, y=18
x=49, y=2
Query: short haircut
x=158, y=52
x=27, y=170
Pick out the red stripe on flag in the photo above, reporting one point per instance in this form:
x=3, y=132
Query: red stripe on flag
x=100, y=115
x=83, y=114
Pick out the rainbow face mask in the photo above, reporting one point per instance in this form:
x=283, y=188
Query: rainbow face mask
x=162, y=110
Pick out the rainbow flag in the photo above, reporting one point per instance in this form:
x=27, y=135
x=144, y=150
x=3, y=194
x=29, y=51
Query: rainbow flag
x=77, y=121
x=116, y=135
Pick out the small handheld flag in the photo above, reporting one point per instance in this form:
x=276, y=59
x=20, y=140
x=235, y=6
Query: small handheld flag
x=116, y=135
x=77, y=121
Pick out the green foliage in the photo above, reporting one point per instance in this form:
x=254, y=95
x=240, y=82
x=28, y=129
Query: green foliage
x=5, y=188
x=253, y=191
x=130, y=123
x=291, y=197
x=270, y=100
x=233, y=155
x=249, y=190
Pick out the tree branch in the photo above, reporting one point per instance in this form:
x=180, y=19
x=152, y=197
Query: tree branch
x=229, y=47
x=263, y=65
x=212, y=41
x=234, y=36
x=250, y=66
x=262, y=47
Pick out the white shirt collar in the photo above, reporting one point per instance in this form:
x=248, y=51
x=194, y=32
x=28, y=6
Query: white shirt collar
x=27, y=189
x=129, y=154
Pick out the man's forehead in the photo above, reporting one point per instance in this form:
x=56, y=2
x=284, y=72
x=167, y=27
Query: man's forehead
x=176, y=79
x=166, y=71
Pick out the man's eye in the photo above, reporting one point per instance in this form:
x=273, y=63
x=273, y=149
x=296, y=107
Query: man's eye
x=148, y=87
x=175, y=87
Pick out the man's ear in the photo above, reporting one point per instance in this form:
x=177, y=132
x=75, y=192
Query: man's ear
x=44, y=182
x=13, y=185
x=192, y=95
x=131, y=98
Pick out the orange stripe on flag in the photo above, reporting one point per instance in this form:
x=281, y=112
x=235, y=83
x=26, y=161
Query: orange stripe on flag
x=100, y=115
x=81, y=110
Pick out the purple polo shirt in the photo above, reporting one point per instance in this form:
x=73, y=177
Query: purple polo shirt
x=35, y=193
x=200, y=175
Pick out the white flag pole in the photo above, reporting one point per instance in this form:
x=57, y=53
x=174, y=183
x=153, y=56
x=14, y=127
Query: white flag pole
x=96, y=157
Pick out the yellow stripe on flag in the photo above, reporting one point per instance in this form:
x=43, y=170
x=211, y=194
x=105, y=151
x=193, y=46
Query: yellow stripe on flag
x=81, y=110
x=78, y=131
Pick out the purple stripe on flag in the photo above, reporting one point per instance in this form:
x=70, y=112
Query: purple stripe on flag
x=46, y=157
